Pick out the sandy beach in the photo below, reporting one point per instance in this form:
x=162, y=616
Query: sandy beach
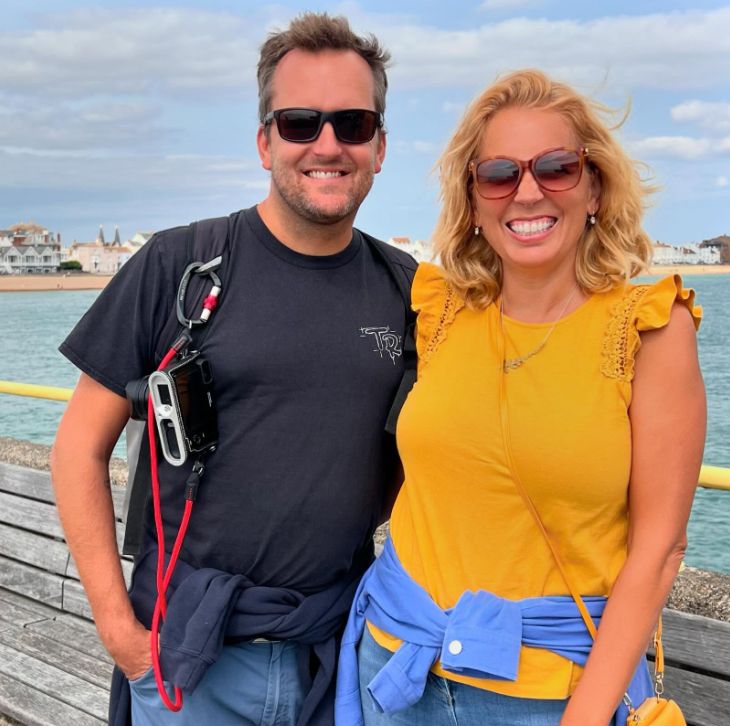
x=689, y=270
x=87, y=281
x=39, y=283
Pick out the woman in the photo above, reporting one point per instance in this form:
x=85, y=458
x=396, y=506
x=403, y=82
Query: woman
x=543, y=375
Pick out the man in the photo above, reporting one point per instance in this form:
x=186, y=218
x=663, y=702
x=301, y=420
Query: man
x=306, y=355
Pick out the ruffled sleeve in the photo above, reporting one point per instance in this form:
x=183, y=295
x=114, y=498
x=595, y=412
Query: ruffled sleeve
x=436, y=303
x=642, y=308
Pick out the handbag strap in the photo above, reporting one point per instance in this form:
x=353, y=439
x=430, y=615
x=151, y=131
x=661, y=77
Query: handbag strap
x=575, y=594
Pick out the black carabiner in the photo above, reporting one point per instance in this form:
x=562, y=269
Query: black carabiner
x=197, y=268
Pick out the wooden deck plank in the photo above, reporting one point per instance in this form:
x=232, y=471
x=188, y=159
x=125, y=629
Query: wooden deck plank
x=54, y=682
x=697, y=642
x=30, y=515
x=34, y=549
x=31, y=582
x=26, y=482
x=74, y=599
x=52, y=651
x=33, y=707
x=36, y=484
x=18, y=610
x=80, y=633
x=704, y=701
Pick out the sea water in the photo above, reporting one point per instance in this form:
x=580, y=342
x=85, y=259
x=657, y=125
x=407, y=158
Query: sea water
x=35, y=323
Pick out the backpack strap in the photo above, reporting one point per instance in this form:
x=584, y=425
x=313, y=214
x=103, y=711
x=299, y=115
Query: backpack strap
x=410, y=357
x=204, y=241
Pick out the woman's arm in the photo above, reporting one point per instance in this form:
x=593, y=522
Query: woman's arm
x=668, y=419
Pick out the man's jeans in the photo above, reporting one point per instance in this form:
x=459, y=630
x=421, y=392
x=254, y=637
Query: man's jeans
x=448, y=703
x=250, y=683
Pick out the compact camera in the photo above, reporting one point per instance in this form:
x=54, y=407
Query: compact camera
x=183, y=405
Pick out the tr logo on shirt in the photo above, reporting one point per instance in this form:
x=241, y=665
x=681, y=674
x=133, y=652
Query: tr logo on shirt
x=385, y=339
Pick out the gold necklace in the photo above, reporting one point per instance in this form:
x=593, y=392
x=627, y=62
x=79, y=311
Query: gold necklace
x=511, y=364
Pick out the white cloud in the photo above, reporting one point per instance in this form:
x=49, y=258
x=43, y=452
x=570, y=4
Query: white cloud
x=453, y=108
x=133, y=52
x=88, y=125
x=78, y=170
x=715, y=116
x=678, y=147
x=178, y=51
x=417, y=147
x=673, y=50
x=722, y=181
x=506, y=4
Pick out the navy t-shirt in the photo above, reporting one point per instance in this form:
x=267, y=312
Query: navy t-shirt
x=306, y=359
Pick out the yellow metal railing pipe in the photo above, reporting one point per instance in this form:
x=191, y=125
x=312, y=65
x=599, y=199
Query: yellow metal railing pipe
x=711, y=477
x=714, y=477
x=51, y=393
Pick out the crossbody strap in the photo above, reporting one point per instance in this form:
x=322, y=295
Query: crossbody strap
x=575, y=594
x=506, y=437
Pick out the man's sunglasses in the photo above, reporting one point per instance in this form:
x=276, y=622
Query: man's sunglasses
x=302, y=125
x=555, y=170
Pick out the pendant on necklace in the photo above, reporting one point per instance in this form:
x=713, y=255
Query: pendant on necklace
x=511, y=364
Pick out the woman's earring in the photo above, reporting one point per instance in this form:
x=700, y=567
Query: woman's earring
x=592, y=219
x=477, y=230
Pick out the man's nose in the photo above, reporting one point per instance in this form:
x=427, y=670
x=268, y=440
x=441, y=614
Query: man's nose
x=327, y=143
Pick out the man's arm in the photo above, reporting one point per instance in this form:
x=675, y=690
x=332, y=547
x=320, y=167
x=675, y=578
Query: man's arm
x=90, y=427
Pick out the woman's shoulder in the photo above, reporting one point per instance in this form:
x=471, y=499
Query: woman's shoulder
x=655, y=301
x=638, y=308
x=436, y=303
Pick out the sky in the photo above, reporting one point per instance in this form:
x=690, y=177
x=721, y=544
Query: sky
x=142, y=115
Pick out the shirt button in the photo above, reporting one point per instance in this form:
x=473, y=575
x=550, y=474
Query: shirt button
x=455, y=647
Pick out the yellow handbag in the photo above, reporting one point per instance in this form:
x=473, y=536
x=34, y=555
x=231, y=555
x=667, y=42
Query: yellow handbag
x=656, y=711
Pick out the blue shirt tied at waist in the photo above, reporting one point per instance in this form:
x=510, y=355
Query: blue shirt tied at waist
x=208, y=607
x=481, y=637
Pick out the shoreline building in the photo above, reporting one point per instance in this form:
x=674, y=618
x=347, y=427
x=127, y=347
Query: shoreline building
x=138, y=240
x=106, y=258
x=419, y=249
x=28, y=248
x=101, y=257
x=690, y=254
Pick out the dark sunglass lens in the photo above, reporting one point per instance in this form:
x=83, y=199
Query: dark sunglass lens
x=355, y=126
x=496, y=177
x=558, y=170
x=299, y=124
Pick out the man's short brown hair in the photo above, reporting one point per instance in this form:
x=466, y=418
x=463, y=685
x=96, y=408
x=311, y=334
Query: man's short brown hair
x=316, y=32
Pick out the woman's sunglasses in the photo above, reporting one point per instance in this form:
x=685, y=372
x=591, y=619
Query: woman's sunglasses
x=555, y=170
x=302, y=125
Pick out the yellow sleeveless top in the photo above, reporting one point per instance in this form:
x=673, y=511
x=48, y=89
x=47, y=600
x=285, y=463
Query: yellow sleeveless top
x=459, y=523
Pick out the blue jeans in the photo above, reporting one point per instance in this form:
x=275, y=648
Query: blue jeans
x=448, y=703
x=251, y=683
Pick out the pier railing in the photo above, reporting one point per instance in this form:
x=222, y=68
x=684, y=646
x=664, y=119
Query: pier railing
x=711, y=477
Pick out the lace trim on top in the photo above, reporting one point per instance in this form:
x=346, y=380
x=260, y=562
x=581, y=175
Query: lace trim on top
x=452, y=304
x=621, y=338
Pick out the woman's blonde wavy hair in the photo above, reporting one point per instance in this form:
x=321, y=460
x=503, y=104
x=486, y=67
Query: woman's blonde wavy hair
x=610, y=252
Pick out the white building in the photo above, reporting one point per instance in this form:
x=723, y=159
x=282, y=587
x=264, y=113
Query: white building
x=420, y=250
x=28, y=248
x=101, y=257
x=689, y=254
x=138, y=240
